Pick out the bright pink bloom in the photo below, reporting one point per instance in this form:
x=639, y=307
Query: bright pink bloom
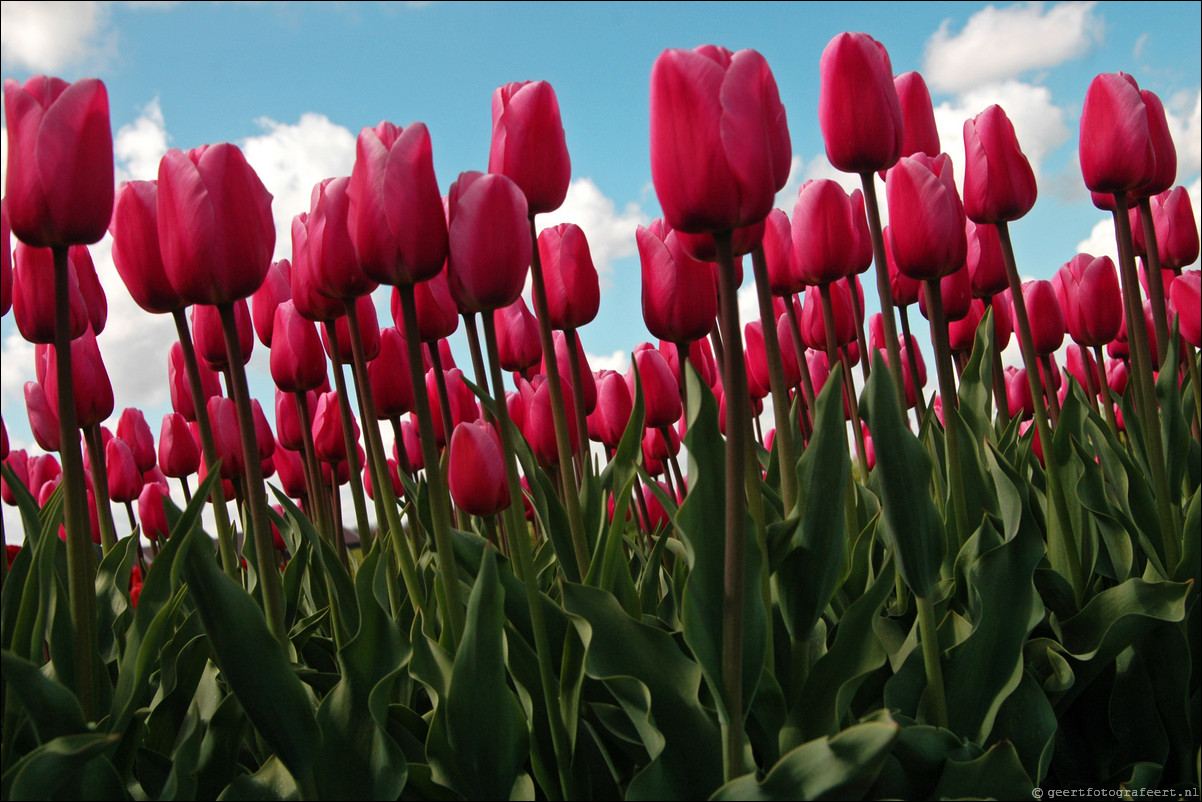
x=133, y=429
x=476, y=472
x=920, y=133
x=1115, y=148
x=573, y=291
x=827, y=231
x=858, y=107
x=1087, y=289
x=489, y=235
x=391, y=384
x=999, y=184
x=1185, y=294
x=926, y=217
x=33, y=293
x=135, y=230
x=179, y=455
x=276, y=289
x=125, y=480
x=298, y=363
x=151, y=513
x=43, y=420
x=680, y=302
x=518, y=345
x=528, y=144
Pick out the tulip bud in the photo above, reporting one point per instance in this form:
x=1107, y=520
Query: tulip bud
x=223, y=417
x=388, y=374
x=136, y=253
x=276, y=289
x=124, y=478
x=540, y=428
x=369, y=332
x=955, y=289
x=133, y=429
x=528, y=144
x=93, y=391
x=573, y=293
x=1176, y=229
x=33, y=291
x=476, y=473
x=920, y=135
x=926, y=217
x=18, y=461
x=1162, y=178
x=297, y=361
x=291, y=472
x=328, y=441
x=1087, y=290
x=437, y=312
x=1047, y=321
x=209, y=334
x=661, y=394
x=179, y=455
x=43, y=420
x=1115, y=148
x=827, y=233
x=333, y=265
x=489, y=242
x=1185, y=294
x=678, y=304
x=999, y=184
x=986, y=264
x=608, y=420
x=519, y=347
x=858, y=108
x=177, y=379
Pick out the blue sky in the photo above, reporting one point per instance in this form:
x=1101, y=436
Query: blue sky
x=293, y=83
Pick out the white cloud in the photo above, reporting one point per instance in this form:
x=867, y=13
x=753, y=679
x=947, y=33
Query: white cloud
x=1101, y=241
x=140, y=145
x=1184, y=115
x=45, y=37
x=786, y=199
x=617, y=361
x=996, y=44
x=291, y=159
x=610, y=233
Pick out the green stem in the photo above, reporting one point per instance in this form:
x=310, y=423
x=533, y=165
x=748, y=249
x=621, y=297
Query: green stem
x=867, y=180
x=478, y=368
x=951, y=402
x=858, y=313
x=928, y=633
x=776, y=382
x=358, y=499
x=94, y=442
x=920, y=401
x=803, y=367
x=313, y=469
x=581, y=423
x=226, y=543
x=1155, y=279
x=999, y=384
x=1106, y=393
x=1048, y=378
x=81, y=557
x=833, y=357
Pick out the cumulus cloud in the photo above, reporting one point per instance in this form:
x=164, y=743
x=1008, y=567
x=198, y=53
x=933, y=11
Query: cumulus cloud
x=1001, y=43
x=140, y=145
x=1101, y=241
x=48, y=37
x=1184, y=115
x=617, y=361
x=610, y=233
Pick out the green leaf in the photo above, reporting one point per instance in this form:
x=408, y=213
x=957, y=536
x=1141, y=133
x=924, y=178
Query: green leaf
x=478, y=739
x=1027, y=720
x=1174, y=430
x=56, y=769
x=997, y=774
x=840, y=767
x=976, y=381
x=1116, y=617
x=53, y=710
x=270, y=783
x=912, y=521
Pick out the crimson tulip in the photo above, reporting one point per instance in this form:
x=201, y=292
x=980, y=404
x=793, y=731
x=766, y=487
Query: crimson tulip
x=573, y=291
x=394, y=478
x=136, y=253
x=490, y=247
x=297, y=361
x=539, y=426
x=223, y=417
x=18, y=461
x=460, y=397
x=179, y=455
x=305, y=294
x=388, y=374
x=33, y=293
x=1176, y=230
x=290, y=469
x=955, y=289
x=588, y=387
x=179, y=386
x=133, y=429
x=151, y=512
x=679, y=303
x=125, y=480
x=276, y=288
x=43, y=420
x=437, y=312
x=518, y=345
x=333, y=265
x=661, y=394
x=288, y=420
x=608, y=420
x=1185, y=294
x=528, y=143
x=858, y=107
x=59, y=180
x=1115, y=147
x=720, y=148
x=1162, y=178
x=827, y=231
x=1087, y=289
x=903, y=288
x=476, y=472
x=812, y=325
x=1047, y=320
x=93, y=390
x=328, y=441
x=369, y=331
x=209, y=336
x=411, y=443
x=920, y=135
x=926, y=217
x=999, y=184
x=986, y=264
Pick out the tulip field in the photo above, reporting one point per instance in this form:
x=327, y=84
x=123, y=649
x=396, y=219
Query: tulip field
x=771, y=561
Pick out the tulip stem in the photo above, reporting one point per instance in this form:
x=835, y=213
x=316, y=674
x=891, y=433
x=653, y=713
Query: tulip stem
x=581, y=422
x=473, y=344
x=858, y=313
x=81, y=557
x=920, y=401
x=868, y=181
x=225, y=533
x=931, y=657
x=558, y=415
x=803, y=365
x=352, y=450
x=776, y=382
x=439, y=500
x=735, y=388
x=951, y=410
x=313, y=468
x=402, y=459
x=999, y=381
x=835, y=355
x=269, y=574
x=94, y=442
x=1155, y=279
x=1048, y=377
x=519, y=541
x=1106, y=393
x=183, y=483
x=1149, y=417
x=381, y=479
x=1062, y=543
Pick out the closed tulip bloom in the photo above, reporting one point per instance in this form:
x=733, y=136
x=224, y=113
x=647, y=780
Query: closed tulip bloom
x=290, y=469
x=1087, y=289
x=1081, y=366
x=93, y=390
x=459, y=396
x=43, y=420
x=813, y=326
x=904, y=289
x=540, y=427
x=133, y=429
x=858, y=108
x=215, y=226
x=396, y=217
x=44, y=469
x=756, y=359
x=6, y=262
x=655, y=447
x=926, y=217
x=18, y=461
x=955, y=289
x=369, y=331
x=332, y=262
x=388, y=374
x=489, y=242
x=661, y=394
x=59, y=179
x=1162, y=178
x=179, y=386
x=327, y=430
x=33, y=294
x=288, y=421
x=264, y=438
x=1185, y=294
x=986, y=265
x=1018, y=393
x=778, y=255
x=962, y=333
x=209, y=336
x=394, y=477
x=528, y=144
x=518, y=345
x=920, y=135
x=136, y=253
x=588, y=387
x=179, y=455
x=826, y=233
x=80, y=261
x=276, y=289
x=700, y=356
x=437, y=312
x=411, y=442
x=125, y=480
x=720, y=148
x=297, y=363
x=223, y=417
x=608, y=420
x=680, y=302
x=476, y=472
x=1115, y=147
x=999, y=184
x=1176, y=231
x=152, y=515
x=305, y=294
x=1047, y=321
x=573, y=291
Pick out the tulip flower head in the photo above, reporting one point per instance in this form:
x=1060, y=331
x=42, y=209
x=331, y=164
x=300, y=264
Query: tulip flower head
x=858, y=108
x=528, y=143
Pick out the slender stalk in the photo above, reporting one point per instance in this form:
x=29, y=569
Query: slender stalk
x=1091, y=387
x=352, y=450
x=446, y=421
x=381, y=481
x=1155, y=279
x=520, y=542
x=673, y=462
x=269, y=574
x=920, y=401
x=440, y=504
x=183, y=483
x=867, y=180
x=776, y=381
x=81, y=558
x=1106, y=393
x=415, y=526
x=803, y=367
x=999, y=385
x=1149, y=417
x=94, y=442
x=1048, y=377
x=558, y=414
x=313, y=468
x=580, y=422
x=858, y=313
x=478, y=368
x=929, y=635
x=951, y=402
x=835, y=355
x=735, y=387
x=226, y=543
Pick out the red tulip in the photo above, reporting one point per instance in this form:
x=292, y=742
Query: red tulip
x=656, y=448
x=573, y=292
x=661, y=394
x=720, y=146
x=437, y=312
x=476, y=472
x=125, y=480
x=609, y=418
x=999, y=184
x=215, y=226
x=18, y=461
x=93, y=391
x=518, y=345
x=133, y=429
x=136, y=253
x=756, y=359
x=528, y=144
x=291, y=472
x=327, y=430
x=986, y=264
x=1185, y=294
x=826, y=231
x=1078, y=362
x=6, y=262
x=177, y=380
x=105, y=436
x=539, y=426
x=680, y=304
x=80, y=260
x=1047, y=321
x=394, y=477
x=276, y=289
x=223, y=418
x=1087, y=289
x=778, y=255
x=297, y=361
x=489, y=242
x=369, y=332
x=333, y=265
x=1162, y=178
x=903, y=288
x=388, y=373
x=209, y=335
x=920, y=134
x=858, y=107
x=1176, y=231
x=396, y=217
x=151, y=512
x=43, y=420
x=33, y=293
x=179, y=455
x=411, y=442
x=700, y=356
x=813, y=325
x=288, y=421
x=59, y=180
x=1115, y=147
x=459, y=396
x=264, y=439
x=926, y=218
x=309, y=301
x=703, y=248
x=956, y=291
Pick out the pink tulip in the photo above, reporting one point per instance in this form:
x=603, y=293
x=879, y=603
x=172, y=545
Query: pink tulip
x=276, y=289
x=1185, y=294
x=679, y=304
x=133, y=429
x=573, y=292
x=179, y=455
x=858, y=107
x=1115, y=148
x=999, y=184
x=528, y=144
x=297, y=361
x=827, y=231
x=490, y=243
x=136, y=253
x=1087, y=289
x=926, y=217
x=476, y=472
x=152, y=513
x=918, y=117
x=33, y=294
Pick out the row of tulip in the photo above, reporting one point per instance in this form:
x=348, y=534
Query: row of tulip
x=988, y=581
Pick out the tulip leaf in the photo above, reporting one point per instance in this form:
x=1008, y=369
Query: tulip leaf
x=997, y=774
x=976, y=382
x=270, y=783
x=1027, y=720
x=27, y=505
x=53, y=710
x=843, y=766
x=478, y=738
x=1116, y=617
x=1174, y=431
x=63, y=769
x=1190, y=566
x=911, y=520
